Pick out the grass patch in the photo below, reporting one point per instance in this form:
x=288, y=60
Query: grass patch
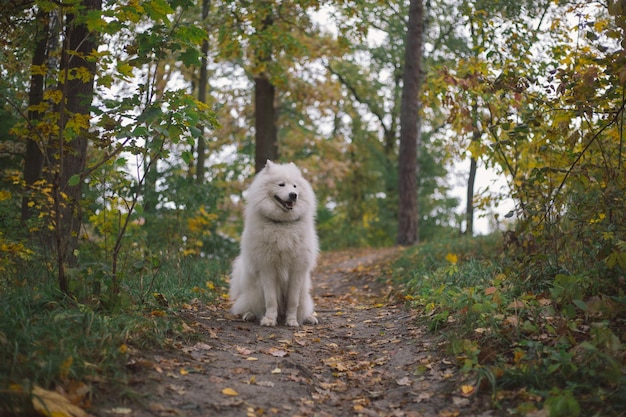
x=532, y=342
x=51, y=341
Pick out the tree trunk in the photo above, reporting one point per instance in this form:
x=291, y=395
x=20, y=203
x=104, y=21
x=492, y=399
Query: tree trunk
x=71, y=148
x=33, y=161
x=407, y=161
x=469, y=208
x=265, y=122
x=202, y=90
x=266, y=135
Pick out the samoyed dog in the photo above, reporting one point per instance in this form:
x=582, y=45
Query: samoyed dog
x=271, y=278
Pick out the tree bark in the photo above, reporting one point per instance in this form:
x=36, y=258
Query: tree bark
x=265, y=122
x=407, y=161
x=202, y=91
x=266, y=133
x=33, y=161
x=71, y=147
x=469, y=208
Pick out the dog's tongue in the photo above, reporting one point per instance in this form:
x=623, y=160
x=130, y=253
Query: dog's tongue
x=289, y=204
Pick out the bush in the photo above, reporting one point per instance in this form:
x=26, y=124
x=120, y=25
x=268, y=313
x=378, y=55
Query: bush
x=550, y=341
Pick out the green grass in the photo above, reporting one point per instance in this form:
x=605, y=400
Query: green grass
x=531, y=342
x=50, y=340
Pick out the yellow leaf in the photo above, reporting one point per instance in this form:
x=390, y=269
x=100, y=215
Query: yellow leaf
x=467, y=389
x=183, y=371
x=230, y=392
x=452, y=258
x=123, y=348
x=52, y=404
x=65, y=367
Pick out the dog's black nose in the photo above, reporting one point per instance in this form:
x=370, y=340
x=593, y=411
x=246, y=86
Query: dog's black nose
x=293, y=196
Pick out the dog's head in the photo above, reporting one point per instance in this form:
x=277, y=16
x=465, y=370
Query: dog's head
x=281, y=194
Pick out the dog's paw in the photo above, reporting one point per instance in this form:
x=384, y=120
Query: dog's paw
x=248, y=316
x=310, y=320
x=292, y=321
x=265, y=321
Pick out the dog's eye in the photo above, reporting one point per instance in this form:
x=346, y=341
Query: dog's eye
x=294, y=186
x=282, y=184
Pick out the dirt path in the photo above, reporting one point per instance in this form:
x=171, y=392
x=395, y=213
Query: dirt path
x=366, y=357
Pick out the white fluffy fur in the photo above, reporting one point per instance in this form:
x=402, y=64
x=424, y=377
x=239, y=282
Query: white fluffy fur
x=271, y=278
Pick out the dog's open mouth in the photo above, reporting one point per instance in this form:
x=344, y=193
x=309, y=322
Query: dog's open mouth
x=287, y=205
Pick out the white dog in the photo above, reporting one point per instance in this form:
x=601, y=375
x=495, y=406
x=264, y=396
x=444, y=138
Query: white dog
x=271, y=278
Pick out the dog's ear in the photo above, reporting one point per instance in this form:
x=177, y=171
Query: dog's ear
x=268, y=164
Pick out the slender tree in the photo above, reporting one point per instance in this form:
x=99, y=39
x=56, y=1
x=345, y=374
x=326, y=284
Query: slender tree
x=69, y=151
x=409, y=131
x=33, y=159
x=202, y=95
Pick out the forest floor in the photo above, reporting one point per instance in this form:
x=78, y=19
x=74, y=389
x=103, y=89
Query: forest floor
x=367, y=356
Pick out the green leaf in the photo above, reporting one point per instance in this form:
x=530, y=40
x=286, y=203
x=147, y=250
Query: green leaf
x=74, y=180
x=195, y=132
x=190, y=57
x=150, y=114
x=187, y=156
x=580, y=304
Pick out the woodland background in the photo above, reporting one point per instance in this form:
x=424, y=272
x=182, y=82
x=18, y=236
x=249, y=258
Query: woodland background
x=129, y=131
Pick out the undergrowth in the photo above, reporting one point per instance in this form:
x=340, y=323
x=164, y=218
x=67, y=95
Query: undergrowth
x=81, y=344
x=551, y=342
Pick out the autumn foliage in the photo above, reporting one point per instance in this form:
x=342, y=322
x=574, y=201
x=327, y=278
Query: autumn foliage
x=121, y=184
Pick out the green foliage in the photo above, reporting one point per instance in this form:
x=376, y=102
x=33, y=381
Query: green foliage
x=559, y=344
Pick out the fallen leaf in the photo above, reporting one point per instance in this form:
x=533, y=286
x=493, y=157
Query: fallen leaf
x=119, y=410
x=516, y=304
x=404, y=381
x=423, y=396
x=467, y=389
x=490, y=290
x=202, y=346
x=336, y=364
x=279, y=353
x=53, y=404
x=243, y=351
x=512, y=320
x=230, y=392
x=276, y=371
x=382, y=360
x=460, y=402
x=178, y=389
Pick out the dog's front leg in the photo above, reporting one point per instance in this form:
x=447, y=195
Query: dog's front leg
x=270, y=293
x=293, y=299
